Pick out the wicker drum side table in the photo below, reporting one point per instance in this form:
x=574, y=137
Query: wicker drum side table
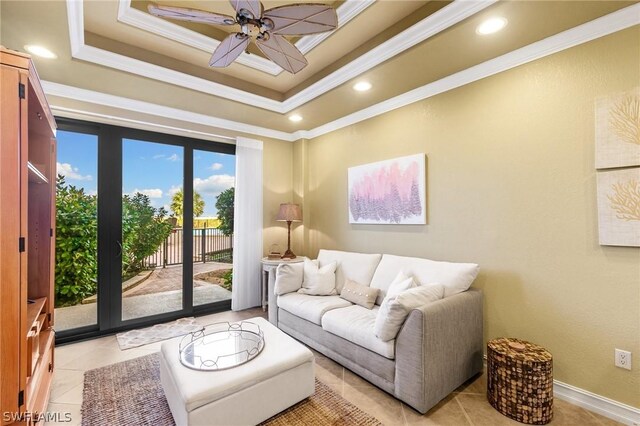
x=520, y=380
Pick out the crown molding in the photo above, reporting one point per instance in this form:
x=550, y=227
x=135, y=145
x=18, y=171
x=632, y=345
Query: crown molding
x=164, y=28
x=431, y=25
x=600, y=27
x=603, y=26
x=79, y=114
x=75, y=22
x=419, y=32
x=127, y=104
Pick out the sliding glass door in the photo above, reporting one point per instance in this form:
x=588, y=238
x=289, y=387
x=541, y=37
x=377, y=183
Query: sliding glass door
x=152, y=234
x=213, y=191
x=156, y=246
x=76, y=270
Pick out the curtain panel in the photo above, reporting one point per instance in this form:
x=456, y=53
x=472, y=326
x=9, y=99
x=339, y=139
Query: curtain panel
x=247, y=225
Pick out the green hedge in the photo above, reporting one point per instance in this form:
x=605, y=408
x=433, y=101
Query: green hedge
x=144, y=228
x=76, y=244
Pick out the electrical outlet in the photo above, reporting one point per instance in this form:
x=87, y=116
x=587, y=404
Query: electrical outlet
x=623, y=359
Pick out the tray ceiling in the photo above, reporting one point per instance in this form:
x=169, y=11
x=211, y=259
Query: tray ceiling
x=399, y=46
x=184, y=46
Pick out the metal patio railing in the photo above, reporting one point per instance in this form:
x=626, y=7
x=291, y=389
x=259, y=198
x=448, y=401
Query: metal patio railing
x=209, y=245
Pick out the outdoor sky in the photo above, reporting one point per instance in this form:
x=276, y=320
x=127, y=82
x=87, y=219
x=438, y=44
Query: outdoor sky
x=151, y=168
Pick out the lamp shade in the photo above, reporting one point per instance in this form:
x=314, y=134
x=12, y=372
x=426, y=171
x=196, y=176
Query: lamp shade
x=289, y=213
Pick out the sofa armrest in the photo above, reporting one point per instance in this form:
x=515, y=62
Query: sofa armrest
x=438, y=348
x=272, y=297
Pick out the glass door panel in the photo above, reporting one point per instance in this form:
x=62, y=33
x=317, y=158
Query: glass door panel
x=152, y=234
x=213, y=191
x=76, y=271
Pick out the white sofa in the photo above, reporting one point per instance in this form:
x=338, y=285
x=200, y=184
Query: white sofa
x=438, y=348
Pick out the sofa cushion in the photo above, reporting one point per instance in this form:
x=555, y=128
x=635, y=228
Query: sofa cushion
x=358, y=267
x=374, y=367
x=308, y=307
x=355, y=324
x=455, y=277
x=359, y=294
x=289, y=278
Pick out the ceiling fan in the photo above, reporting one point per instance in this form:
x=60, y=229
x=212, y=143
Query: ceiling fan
x=268, y=27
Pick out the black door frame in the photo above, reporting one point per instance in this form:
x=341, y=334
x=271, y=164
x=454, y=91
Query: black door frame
x=110, y=142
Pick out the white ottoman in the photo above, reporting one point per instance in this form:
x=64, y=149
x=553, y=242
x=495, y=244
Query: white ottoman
x=280, y=376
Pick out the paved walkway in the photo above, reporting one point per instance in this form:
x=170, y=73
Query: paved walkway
x=170, y=278
x=160, y=293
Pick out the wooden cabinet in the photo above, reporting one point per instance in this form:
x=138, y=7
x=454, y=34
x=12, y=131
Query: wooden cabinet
x=27, y=241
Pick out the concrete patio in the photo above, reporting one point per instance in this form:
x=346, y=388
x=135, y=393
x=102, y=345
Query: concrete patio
x=161, y=292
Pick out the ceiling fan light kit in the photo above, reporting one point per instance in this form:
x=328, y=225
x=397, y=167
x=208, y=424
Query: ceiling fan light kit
x=266, y=28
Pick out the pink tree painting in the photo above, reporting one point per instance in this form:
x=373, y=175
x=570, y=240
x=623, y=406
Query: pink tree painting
x=388, y=192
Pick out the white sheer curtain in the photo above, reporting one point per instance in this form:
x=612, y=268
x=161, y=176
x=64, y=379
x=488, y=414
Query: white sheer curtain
x=247, y=225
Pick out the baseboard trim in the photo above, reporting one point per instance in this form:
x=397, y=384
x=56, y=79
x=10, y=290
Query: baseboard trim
x=606, y=407
x=598, y=404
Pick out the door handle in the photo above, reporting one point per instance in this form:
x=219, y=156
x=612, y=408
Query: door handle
x=120, y=248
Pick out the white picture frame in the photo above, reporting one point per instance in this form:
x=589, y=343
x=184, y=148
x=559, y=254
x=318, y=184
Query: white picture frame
x=619, y=207
x=388, y=192
x=617, y=120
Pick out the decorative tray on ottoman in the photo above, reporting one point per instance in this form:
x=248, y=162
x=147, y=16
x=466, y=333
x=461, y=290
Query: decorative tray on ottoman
x=221, y=346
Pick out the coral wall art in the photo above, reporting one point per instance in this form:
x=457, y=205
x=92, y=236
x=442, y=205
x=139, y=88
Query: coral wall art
x=619, y=207
x=389, y=192
x=618, y=130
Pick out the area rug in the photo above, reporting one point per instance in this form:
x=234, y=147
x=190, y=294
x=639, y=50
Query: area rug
x=130, y=393
x=144, y=336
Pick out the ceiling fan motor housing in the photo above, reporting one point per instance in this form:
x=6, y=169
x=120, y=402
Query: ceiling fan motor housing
x=252, y=26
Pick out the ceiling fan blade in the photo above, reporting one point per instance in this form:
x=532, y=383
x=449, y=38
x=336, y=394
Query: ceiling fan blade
x=282, y=52
x=227, y=51
x=254, y=7
x=300, y=19
x=193, y=15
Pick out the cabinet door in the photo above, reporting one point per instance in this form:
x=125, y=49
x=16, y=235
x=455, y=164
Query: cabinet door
x=12, y=224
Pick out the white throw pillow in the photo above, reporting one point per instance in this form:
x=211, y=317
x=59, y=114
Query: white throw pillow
x=399, y=284
x=394, y=310
x=289, y=278
x=319, y=281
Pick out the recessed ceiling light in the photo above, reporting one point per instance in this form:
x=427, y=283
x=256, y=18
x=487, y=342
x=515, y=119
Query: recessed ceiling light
x=491, y=25
x=295, y=117
x=362, y=86
x=43, y=52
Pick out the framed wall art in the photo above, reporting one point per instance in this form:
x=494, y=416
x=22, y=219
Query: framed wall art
x=618, y=130
x=619, y=207
x=389, y=192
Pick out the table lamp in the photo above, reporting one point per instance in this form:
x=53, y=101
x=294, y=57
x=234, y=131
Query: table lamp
x=289, y=213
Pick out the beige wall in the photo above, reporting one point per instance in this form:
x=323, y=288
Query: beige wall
x=511, y=185
x=277, y=177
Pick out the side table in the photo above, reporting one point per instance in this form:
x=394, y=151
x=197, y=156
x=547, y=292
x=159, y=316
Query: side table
x=269, y=267
x=520, y=380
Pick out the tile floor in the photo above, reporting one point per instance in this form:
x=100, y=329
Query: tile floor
x=466, y=406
